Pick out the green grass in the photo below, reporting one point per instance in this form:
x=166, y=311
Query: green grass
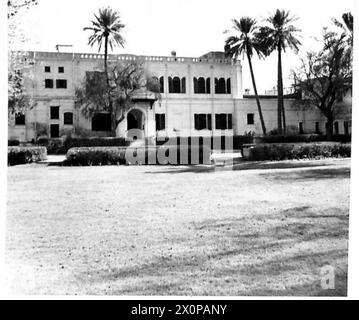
x=154, y=230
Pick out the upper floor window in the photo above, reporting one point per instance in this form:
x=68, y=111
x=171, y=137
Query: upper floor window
x=49, y=83
x=61, y=84
x=161, y=85
x=250, y=118
x=301, y=129
x=54, y=112
x=176, y=85
x=61, y=69
x=200, y=85
x=19, y=119
x=47, y=69
x=68, y=118
x=222, y=86
x=223, y=121
x=203, y=121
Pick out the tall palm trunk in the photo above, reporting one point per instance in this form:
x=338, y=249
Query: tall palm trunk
x=281, y=111
x=113, y=116
x=105, y=60
x=256, y=95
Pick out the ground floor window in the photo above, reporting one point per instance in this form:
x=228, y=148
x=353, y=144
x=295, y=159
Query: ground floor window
x=68, y=118
x=301, y=129
x=336, y=127
x=250, y=118
x=346, y=127
x=19, y=119
x=203, y=121
x=317, y=129
x=101, y=122
x=223, y=121
x=54, y=130
x=160, y=121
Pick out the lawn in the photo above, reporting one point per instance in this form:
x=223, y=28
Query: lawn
x=260, y=229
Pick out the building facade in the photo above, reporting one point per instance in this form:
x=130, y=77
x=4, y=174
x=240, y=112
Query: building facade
x=200, y=96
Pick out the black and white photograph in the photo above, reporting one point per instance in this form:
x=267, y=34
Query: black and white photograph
x=178, y=148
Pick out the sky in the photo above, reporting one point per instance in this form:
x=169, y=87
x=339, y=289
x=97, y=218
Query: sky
x=190, y=27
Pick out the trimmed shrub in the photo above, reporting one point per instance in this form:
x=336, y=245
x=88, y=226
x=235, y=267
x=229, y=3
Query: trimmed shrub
x=287, y=151
x=162, y=155
x=301, y=138
x=23, y=155
x=13, y=143
x=217, y=142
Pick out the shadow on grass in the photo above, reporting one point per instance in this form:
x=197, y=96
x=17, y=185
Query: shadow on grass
x=243, y=166
x=255, y=250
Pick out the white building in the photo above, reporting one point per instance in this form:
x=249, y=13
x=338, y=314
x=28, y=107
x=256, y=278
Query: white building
x=201, y=96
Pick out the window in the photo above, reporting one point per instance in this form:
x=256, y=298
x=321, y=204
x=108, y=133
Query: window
x=54, y=130
x=61, y=69
x=317, y=129
x=250, y=118
x=176, y=85
x=228, y=85
x=49, y=83
x=201, y=85
x=336, y=127
x=47, y=69
x=222, y=85
x=161, y=85
x=301, y=130
x=101, y=122
x=68, y=118
x=223, y=121
x=61, y=84
x=203, y=121
x=19, y=119
x=160, y=121
x=346, y=127
x=54, y=113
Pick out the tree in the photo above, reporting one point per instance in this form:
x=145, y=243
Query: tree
x=325, y=77
x=106, y=29
x=279, y=35
x=115, y=92
x=19, y=66
x=246, y=43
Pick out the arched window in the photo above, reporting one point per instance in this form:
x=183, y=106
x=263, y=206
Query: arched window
x=195, y=85
x=176, y=85
x=68, y=118
x=161, y=85
x=183, y=85
x=229, y=85
x=170, y=85
x=201, y=85
x=208, y=85
x=220, y=85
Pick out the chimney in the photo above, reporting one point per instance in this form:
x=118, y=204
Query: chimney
x=173, y=54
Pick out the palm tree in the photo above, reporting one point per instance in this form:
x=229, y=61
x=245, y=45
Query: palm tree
x=106, y=29
x=279, y=35
x=347, y=26
x=246, y=43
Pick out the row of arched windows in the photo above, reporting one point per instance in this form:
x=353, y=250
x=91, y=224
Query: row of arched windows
x=200, y=85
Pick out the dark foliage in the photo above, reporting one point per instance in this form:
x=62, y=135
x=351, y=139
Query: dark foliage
x=23, y=155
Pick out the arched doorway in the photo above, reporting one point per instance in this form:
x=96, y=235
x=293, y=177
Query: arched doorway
x=135, y=123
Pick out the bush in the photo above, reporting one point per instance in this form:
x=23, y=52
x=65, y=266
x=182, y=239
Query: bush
x=169, y=154
x=23, y=155
x=12, y=143
x=298, y=151
x=59, y=146
x=301, y=138
x=217, y=142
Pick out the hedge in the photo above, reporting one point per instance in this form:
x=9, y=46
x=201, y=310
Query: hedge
x=289, y=151
x=216, y=142
x=57, y=146
x=23, y=155
x=301, y=138
x=162, y=155
x=13, y=143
